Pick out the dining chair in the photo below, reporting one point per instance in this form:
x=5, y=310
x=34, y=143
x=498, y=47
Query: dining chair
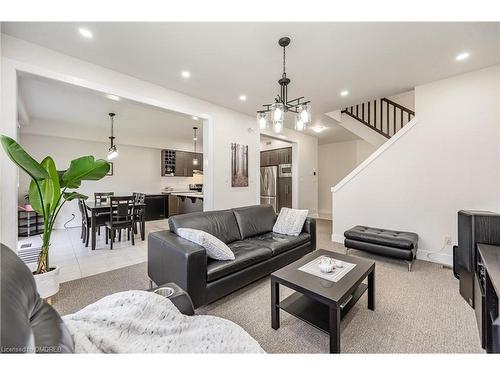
x=140, y=211
x=87, y=222
x=102, y=198
x=121, y=216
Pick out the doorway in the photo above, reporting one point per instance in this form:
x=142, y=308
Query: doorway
x=277, y=175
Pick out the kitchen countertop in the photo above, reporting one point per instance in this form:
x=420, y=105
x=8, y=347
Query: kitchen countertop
x=189, y=194
x=176, y=191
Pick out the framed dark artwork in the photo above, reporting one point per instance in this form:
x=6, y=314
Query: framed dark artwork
x=110, y=173
x=239, y=165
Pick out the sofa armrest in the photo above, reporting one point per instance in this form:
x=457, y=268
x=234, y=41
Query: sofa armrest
x=179, y=298
x=174, y=259
x=310, y=227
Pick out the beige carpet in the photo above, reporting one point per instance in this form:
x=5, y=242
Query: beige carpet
x=417, y=312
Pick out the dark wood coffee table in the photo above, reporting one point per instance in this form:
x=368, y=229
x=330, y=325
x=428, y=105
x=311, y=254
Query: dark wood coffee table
x=320, y=302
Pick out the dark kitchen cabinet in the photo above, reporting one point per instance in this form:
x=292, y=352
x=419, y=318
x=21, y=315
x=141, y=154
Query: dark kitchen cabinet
x=268, y=158
x=276, y=157
x=264, y=158
x=173, y=205
x=284, y=192
x=285, y=155
x=156, y=208
x=179, y=163
x=199, y=156
x=183, y=164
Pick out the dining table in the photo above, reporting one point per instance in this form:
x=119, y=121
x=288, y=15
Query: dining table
x=97, y=208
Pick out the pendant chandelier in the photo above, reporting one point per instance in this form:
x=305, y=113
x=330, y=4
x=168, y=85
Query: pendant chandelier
x=275, y=113
x=195, y=138
x=112, y=152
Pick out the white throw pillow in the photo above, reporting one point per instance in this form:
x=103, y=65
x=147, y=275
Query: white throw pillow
x=216, y=249
x=290, y=221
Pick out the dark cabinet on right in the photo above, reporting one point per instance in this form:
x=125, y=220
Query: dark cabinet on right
x=285, y=155
x=284, y=192
x=276, y=157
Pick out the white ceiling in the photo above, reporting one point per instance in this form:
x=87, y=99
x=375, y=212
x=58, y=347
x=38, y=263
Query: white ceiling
x=371, y=60
x=72, y=106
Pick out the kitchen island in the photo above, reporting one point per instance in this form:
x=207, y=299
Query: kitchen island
x=184, y=202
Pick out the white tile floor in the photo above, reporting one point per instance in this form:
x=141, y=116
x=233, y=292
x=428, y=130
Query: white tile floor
x=76, y=261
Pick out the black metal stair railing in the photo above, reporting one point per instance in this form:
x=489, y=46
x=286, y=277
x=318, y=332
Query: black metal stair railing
x=383, y=116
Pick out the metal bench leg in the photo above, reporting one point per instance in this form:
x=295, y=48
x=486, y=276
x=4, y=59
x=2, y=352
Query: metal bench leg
x=346, y=251
x=410, y=264
x=151, y=286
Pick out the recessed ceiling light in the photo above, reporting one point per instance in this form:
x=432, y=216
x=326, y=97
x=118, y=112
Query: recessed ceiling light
x=185, y=74
x=318, y=129
x=462, y=56
x=243, y=98
x=85, y=33
x=113, y=97
x=344, y=93
x=195, y=118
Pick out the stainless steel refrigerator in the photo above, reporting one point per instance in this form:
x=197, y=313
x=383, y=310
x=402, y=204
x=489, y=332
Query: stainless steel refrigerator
x=269, y=186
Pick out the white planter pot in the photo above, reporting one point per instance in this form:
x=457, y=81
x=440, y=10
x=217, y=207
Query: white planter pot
x=47, y=284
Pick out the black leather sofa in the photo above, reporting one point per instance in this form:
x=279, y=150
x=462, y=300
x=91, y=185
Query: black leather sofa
x=390, y=243
x=248, y=233
x=28, y=323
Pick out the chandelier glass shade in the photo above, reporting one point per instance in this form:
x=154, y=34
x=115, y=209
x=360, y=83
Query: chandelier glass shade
x=262, y=120
x=281, y=105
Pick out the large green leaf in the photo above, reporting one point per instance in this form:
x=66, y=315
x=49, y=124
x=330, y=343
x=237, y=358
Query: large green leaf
x=74, y=195
x=35, y=198
x=84, y=168
x=51, y=189
x=22, y=159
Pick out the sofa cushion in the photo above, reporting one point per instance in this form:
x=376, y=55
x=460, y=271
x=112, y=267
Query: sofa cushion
x=279, y=243
x=215, y=248
x=221, y=224
x=290, y=221
x=245, y=254
x=255, y=220
x=398, y=239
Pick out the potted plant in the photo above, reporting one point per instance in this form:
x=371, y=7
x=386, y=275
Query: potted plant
x=49, y=190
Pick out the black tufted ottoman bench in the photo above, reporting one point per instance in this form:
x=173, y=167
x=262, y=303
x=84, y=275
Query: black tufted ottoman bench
x=395, y=244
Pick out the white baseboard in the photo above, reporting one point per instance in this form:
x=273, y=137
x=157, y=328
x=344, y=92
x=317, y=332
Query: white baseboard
x=435, y=257
x=337, y=238
x=428, y=256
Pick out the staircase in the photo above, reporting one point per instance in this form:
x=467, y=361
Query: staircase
x=383, y=116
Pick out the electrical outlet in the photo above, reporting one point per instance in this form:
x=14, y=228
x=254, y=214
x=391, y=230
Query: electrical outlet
x=447, y=240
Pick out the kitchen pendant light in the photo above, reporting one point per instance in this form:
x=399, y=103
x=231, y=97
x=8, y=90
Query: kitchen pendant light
x=282, y=105
x=195, y=138
x=112, y=152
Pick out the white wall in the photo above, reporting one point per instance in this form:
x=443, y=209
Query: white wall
x=335, y=161
x=221, y=127
x=406, y=99
x=447, y=161
x=123, y=136
x=267, y=143
x=305, y=165
x=136, y=170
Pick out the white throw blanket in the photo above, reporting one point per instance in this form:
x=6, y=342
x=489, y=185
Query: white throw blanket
x=145, y=322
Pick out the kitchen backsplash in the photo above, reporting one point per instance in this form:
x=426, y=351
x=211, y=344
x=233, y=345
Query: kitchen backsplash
x=181, y=182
